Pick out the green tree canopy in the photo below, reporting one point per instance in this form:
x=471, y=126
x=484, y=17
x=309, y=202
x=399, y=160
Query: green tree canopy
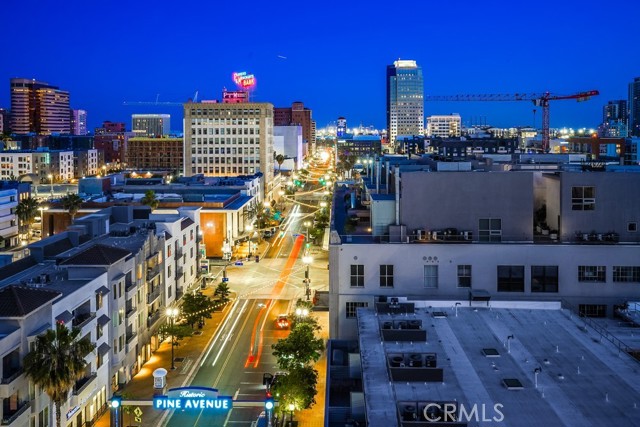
x=196, y=307
x=150, y=199
x=71, y=203
x=300, y=348
x=26, y=211
x=222, y=292
x=298, y=386
x=280, y=159
x=57, y=362
x=176, y=331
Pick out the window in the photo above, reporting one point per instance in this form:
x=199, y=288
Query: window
x=544, y=278
x=352, y=308
x=464, y=276
x=592, y=273
x=490, y=230
x=430, y=276
x=583, y=198
x=632, y=227
x=592, y=310
x=169, y=272
x=626, y=274
x=168, y=250
x=510, y=278
x=115, y=291
x=357, y=276
x=386, y=276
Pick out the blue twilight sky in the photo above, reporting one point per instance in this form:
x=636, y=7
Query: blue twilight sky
x=106, y=52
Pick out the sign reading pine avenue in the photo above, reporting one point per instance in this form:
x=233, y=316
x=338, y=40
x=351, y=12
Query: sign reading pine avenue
x=193, y=398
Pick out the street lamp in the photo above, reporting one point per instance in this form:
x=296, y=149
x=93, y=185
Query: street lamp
x=172, y=313
x=307, y=224
x=50, y=176
x=292, y=407
x=42, y=209
x=249, y=228
x=307, y=260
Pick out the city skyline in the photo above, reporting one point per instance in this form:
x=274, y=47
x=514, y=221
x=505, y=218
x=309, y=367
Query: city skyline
x=335, y=73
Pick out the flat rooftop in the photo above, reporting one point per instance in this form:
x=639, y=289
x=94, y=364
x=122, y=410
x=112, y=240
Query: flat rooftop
x=583, y=379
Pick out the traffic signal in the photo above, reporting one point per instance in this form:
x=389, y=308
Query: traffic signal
x=116, y=402
x=268, y=403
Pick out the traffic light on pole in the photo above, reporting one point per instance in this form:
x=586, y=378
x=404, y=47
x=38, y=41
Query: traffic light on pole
x=268, y=403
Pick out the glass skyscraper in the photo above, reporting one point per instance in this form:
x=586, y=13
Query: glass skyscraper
x=405, y=100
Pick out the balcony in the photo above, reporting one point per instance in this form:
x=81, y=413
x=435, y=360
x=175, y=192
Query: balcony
x=178, y=252
x=153, y=272
x=153, y=318
x=179, y=273
x=130, y=285
x=131, y=311
x=10, y=417
x=11, y=376
x=83, y=383
x=81, y=320
x=131, y=336
x=153, y=295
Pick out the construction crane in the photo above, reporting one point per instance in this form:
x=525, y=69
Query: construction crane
x=158, y=103
x=538, y=99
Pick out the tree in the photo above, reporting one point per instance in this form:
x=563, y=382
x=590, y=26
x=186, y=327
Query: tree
x=57, y=362
x=298, y=386
x=178, y=332
x=222, y=292
x=299, y=349
x=196, y=307
x=280, y=159
x=71, y=203
x=150, y=200
x=26, y=211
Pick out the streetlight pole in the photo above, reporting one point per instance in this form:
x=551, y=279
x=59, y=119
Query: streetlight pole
x=291, y=409
x=250, y=230
x=50, y=176
x=307, y=281
x=172, y=313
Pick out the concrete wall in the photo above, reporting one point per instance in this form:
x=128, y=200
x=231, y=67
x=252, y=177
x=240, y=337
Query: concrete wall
x=435, y=201
x=409, y=261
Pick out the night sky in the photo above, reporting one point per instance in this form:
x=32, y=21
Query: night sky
x=329, y=54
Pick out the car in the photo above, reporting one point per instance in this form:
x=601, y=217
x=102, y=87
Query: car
x=267, y=234
x=282, y=321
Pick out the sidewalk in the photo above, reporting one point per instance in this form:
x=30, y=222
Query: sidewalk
x=190, y=348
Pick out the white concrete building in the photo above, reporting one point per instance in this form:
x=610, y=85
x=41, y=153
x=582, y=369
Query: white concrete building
x=287, y=140
x=444, y=126
x=8, y=220
x=40, y=163
x=229, y=140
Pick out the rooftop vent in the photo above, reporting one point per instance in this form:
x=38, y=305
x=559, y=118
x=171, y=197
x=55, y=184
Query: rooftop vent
x=408, y=412
x=439, y=314
x=512, y=383
x=490, y=352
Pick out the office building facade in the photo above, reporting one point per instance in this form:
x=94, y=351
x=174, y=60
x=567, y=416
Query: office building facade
x=405, y=100
x=152, y=125
x=444, y=126
x=299, y=115
x=38, y=107
x=634, y=107
x=229, y=140
x=78, y=122
x=155, y=153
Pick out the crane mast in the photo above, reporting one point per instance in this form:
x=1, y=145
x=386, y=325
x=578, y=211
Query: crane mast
x=538, y=99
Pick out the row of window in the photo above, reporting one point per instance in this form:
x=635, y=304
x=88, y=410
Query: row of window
x=227, y=160
x=228, y=150
x=587, y=310
x=228, y=112
x=225, y=131
x=224, y=170
x=510, y=278
x=226, y=122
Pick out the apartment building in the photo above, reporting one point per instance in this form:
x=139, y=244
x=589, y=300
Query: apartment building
x=448, y=126
x=558, y=236
x=112, y=275
x=9, y=236
x=229, y=140
x=39, y=163
x=155, y=153
x=38, y=107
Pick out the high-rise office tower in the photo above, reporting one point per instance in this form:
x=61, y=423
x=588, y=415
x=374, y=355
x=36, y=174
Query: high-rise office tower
x=341, y=128
x=78, y=122
x=153, y=125
x=634, y=107
x=405, y=100
x=615, y=110
x=229, y=140
x=38, y=107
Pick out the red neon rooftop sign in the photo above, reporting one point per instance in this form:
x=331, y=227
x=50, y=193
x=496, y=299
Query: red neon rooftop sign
x=244, y=80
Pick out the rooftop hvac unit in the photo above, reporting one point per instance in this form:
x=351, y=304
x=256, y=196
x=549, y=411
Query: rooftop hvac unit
x=415, y=360
x=431, y=360
x=409, y=413
x=421, y=234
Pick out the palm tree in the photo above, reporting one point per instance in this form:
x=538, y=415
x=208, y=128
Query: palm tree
x=280, y=159
x=26, y=211
x=150, y=199
x=72, y=202
x=57, y=362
